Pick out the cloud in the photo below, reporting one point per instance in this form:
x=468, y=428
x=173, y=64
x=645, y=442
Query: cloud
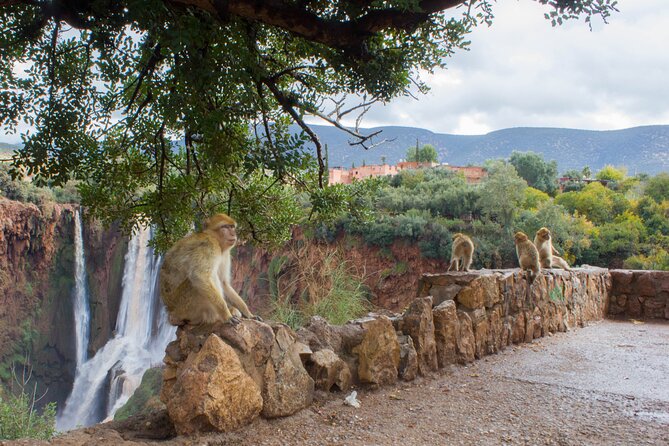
x=523, y=72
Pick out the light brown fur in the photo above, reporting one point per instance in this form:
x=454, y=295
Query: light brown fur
x=528, y=256
x=195, y=276
x=548, y=255
x=462, y=250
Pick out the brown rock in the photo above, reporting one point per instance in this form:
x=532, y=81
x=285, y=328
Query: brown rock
x=419, y=324
x=466, y=342
x=287, y=387
x=445, y=330
x=408, y=369
x=622, y=280
x=655, y=307
x=472, y=296
x=644, y=283
x=441, y=293
x=329, y=371
x=518, y=328
x=213, y=392
x=378, y=353
x=481, y=328
x=634, y=306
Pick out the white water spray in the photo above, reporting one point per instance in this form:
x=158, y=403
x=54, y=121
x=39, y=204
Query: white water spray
x=82, y=315
x=105, y=382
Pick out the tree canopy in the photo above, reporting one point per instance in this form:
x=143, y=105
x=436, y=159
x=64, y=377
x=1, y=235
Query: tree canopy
x=168, y=110
x=538, y=173
x=425, y=154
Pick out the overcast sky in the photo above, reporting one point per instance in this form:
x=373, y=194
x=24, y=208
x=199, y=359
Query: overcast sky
x=521, y=72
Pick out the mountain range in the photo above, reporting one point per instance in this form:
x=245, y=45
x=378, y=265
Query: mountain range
x=640, y=149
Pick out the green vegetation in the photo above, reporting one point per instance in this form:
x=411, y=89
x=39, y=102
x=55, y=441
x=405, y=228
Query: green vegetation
x=625, y=223
x=425, y=154
x=145, y=399
x=18, y=416
x=315, y=282
x=169, y=111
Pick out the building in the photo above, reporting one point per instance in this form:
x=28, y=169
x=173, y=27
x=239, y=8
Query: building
x=340, y=175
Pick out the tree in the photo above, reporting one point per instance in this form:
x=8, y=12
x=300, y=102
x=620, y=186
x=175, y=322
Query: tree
x=657, y=187
x=166, y=109
x=610, y=173
x=502, y=194
x=425, y=154
x=533, y=169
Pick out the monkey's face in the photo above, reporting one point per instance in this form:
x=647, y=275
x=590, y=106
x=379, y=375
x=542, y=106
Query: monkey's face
x=227, y=234
x=544, y=234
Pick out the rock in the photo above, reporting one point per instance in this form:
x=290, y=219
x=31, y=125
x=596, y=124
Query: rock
x=518, y=328
x=408, y=369
x=419, y=324
x=445, y=332
x=480, y=327
x=378, y=353
x=655, y=307
x=466, y=342
x=441, y=293
x=213, y=391
x=287, y=387
x=329, y=371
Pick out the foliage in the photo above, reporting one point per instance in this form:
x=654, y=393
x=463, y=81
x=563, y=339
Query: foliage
x=18, y=416
x=532, y=168
x=534, y=198
x=425, y=154
x=657, y=187
x=611, y=173
x=502, y=194
x=146, y=396
x=658, y=259
x=598, y=203
x=25, y=191
x=315, y=282
x=167, y=111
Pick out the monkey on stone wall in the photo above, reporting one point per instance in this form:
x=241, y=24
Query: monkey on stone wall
x=462, y=250
x=548, y=255
x=195, y=277
x=528, y=256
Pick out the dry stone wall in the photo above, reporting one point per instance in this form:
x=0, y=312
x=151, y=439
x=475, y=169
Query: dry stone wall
x=639, y=294
x=223, y=376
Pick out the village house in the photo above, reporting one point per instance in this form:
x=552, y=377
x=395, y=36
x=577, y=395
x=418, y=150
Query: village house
x=340, y=175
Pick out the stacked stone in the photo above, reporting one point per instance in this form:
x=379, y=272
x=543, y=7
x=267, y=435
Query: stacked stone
x=221, y=377
x=640, y=294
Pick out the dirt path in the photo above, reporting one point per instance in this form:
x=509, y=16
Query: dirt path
x=604, y=384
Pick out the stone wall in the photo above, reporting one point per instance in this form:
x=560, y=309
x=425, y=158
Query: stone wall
x=223, y=376
x=639, y=294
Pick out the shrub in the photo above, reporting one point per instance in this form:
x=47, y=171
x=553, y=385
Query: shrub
x=18, y=416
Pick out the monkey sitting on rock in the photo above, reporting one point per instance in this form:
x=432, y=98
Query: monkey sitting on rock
x=461, y=251
x=528, y=256
x=548, y=255
x=195, y=277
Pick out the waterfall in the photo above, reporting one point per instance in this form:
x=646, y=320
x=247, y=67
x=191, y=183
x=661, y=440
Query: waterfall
x=82, y=315
x=105, y=382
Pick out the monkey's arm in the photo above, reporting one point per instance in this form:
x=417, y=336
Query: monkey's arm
x=203, y=283
x=236, y=300
x=555, y=251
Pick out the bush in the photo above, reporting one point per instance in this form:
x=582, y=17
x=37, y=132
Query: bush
x=18, y=416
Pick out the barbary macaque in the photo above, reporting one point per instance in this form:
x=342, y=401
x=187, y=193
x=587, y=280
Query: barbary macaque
x=528, y=256
x=548, y=255
x=195, y=277
x=461, y=251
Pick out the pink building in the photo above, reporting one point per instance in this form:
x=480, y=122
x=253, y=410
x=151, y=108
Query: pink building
x=473, y=174
x=340, y=175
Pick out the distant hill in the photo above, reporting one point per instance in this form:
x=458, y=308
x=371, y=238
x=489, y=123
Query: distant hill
x=6, y=150
x=640, y=149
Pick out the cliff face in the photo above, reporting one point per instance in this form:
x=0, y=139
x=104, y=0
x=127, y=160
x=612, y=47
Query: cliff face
x=37, y=257
x=36, y=282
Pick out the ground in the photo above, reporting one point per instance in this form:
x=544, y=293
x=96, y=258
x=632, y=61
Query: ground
x=604, y=384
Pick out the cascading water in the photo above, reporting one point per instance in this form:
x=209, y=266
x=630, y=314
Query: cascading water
x=105, y=382
x=82, y=315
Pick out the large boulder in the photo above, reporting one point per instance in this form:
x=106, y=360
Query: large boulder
x=329, y=371
x=378, y=353
x=418, y=323
x=445, y=332
x=212, y=391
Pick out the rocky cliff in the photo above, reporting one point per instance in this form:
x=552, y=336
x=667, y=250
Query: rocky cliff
x=36, y=292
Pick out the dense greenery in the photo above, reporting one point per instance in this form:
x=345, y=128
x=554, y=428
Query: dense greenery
x=625, y=223
x=167, y=110
x=425, y=154
x=18, y=416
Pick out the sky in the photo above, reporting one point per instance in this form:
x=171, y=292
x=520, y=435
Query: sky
x=522, y=72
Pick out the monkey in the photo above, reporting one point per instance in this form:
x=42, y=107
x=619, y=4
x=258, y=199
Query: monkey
x=462, y=250
x=195, y=277
x=548, y=255
x=528, y=256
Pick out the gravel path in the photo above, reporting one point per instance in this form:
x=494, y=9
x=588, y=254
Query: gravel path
x=606, y=384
